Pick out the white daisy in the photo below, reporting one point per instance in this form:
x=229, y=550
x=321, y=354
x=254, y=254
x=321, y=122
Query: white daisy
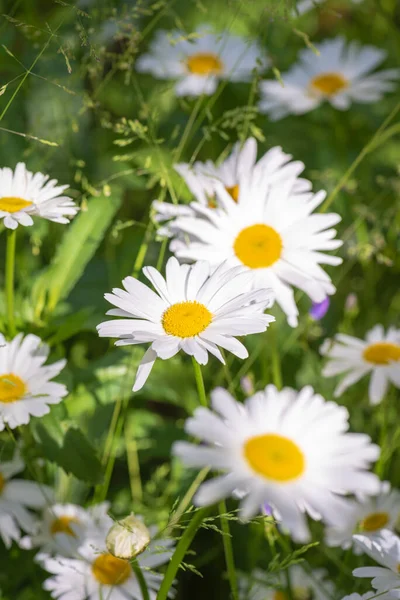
x=98, y=574
x=201, y=178
x=285, y=448
x=26, y=388
x=25, y=194
x=368, y=515
x=199, y=61
x=16, y=497
x=385, y=549
x=272, y=232
x=262, y=586
x=192, y=311
x=378, y=354
x=339, y=73
x=65, y=527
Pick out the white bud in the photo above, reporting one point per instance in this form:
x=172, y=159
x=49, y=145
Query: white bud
x=128, y=538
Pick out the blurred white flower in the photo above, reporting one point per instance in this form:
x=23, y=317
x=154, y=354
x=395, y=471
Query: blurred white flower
x=24, y=195
x=16, y=497
x=287, y=448
x=367, y=515
x=339, y=73
x=385, y=550
x=199, y=61
x=378, y=354
x=193, y=311
x=26, y=388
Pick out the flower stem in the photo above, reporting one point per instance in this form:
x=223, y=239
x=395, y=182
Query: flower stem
x=228, y=551
x=180, y=552
x=10, y=269
x=199, y=382
x=276, y=361
x=141, y=580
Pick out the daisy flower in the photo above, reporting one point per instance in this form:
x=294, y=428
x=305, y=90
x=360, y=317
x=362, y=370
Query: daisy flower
x=340, y=73
x=26, y=388
x=201, y=178
x=262, y=586
x=385, y=550
x=25, y=195
x=199, y=61
x=368, y=515
x=65, y=527
x=289, y=449
x=272, y=232
x=378, y=354
x=193, y=311
x=98, y=574
x=16, y=497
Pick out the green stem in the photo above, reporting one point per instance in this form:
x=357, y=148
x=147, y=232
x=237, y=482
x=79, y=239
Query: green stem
x=228, y=551
x=186, y=500
x=199, y=382
x=10, y=269
x=276, y=361
x=141, y=580
x=289, y=589
x=180, y=552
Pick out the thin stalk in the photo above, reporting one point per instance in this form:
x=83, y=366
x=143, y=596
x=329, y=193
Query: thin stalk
x=199, y=382
x=186, y=500
x=133, y=466
x=228, y=551
x=140, y=579
x=180, y=552
x=10, y=271
x=276, y=361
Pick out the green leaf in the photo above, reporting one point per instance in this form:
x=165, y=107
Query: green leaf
x=75, y=455
x=76, y=249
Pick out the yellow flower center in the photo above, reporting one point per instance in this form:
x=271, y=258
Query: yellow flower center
x=374, y=521
x=110, y=570
x=63, y=525
x=12, y=205
x=2, y=482
x=274, y=457
x=382, y=353
x=329, y=84
x=233, y=191
x=12, y=388
x=204, y=63
x=186, y=319
x=258, y=246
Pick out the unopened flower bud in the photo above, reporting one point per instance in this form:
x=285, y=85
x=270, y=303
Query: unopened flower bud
x=128, y=538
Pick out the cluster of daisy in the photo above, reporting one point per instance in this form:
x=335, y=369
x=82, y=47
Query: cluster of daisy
x=333, y=71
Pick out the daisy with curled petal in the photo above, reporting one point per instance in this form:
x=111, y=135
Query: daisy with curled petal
x=65, y=527
x=201, y=178
x=378, y=354
x=199, y=61
x=25, y=195
x=262, y=586
x=16, y=497
x=272, y=232
x=286, y=448
x=98, y=574
x=26, y=389
x=191, y=310
x=339, y=73
x=385, y=550
x=368, y=515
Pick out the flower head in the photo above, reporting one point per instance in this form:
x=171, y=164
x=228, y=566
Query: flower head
x=289, y=449
x=368, y=515
x=271, y=231
x=193, y=311
x=378, y=354
x=25, y=195
x=17, y=496
x=26, y=388
x=339, y=73
x=199, y=61
x=128, y=537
